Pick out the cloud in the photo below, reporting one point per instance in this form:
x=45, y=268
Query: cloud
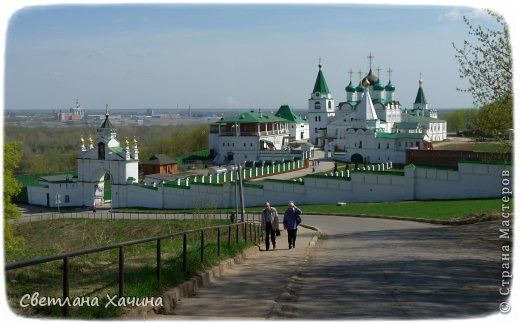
x=456, y=15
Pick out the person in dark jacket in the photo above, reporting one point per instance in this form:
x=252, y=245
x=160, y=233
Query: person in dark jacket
x=290, y=223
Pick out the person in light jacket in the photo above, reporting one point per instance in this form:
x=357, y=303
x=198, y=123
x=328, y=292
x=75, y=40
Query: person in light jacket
x=269, y=224
x=290, y=223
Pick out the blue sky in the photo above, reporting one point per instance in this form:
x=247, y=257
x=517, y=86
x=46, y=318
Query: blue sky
x=227, y=56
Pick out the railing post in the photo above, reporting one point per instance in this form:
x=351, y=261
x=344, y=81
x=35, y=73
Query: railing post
x=65, y=286
x=245, y=231
x=184, y=252
x=250, y=232
x=121, y=272
x=159, y=262
x=237, y=232
x=229, y=237
x=201, y=247
x=218, y=241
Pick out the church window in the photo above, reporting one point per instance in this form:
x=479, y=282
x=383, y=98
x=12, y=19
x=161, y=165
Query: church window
x=223, y=144
x=244, y=144
x=315, y=130
x=317, y=106
x=101, y=151
x=319, y=118
x=67, y=198
x=387, y=145
x=378, y=145
x=360, y=144
x=330, y=105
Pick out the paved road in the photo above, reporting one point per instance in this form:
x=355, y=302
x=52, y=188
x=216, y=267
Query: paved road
x=363, y=268
x=374, y=268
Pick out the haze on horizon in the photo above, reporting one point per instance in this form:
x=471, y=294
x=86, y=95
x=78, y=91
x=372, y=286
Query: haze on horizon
x=228, y=56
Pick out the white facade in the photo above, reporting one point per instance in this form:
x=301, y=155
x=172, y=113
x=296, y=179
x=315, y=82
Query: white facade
x=371, y=125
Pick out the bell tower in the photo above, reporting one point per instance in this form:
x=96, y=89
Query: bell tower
x=321, y=109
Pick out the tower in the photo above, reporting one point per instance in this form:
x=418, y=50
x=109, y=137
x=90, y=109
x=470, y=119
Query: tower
x=321, y=109
x=420, y=99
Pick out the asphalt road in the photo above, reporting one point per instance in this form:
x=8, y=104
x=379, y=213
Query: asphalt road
x=387, y=269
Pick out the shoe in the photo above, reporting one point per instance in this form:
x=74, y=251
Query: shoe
x=290, y=247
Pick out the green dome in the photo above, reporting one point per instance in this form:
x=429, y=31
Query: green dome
x=360, y=88
x=390, y=86
x=350, y=87
x=378, y=87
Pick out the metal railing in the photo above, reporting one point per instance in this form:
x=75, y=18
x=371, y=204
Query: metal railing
x=114, y=215
x=255, y=234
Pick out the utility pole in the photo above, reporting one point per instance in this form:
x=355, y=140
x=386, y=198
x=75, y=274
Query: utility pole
x=242, y=208
x=236, y=200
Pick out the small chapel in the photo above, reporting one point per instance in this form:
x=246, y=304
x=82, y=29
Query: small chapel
x=103, y=160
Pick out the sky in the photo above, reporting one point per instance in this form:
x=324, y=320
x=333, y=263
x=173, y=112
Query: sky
x=228, y=55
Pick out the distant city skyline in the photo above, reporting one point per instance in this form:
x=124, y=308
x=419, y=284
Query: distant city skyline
x=228, y=56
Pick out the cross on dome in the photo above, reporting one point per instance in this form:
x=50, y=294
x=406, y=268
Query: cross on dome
x=370, y=57
x=389, y=73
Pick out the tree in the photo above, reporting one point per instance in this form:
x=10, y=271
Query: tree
x=12, y=157
x=487, y=64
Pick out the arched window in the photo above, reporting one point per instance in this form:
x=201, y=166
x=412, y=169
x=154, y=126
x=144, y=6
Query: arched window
x=360, y=144
x=317, y=105
x=330, y=105
x=101, y=151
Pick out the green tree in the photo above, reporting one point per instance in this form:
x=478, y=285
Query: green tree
x=487, y=64
x=12, y=157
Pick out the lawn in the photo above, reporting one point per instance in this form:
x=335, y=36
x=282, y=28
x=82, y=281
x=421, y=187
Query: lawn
x=96, y=275
x=440, y=210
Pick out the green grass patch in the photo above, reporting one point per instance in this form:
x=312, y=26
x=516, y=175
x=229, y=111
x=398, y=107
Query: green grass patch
x=96, y=274
x=438, y=210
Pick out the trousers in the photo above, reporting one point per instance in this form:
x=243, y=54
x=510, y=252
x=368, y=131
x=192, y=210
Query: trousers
x=291, y=237
x=269, y=231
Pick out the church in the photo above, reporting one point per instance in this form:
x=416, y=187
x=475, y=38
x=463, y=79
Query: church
x=371, y=125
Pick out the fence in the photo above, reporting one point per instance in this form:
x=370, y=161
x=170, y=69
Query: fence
x=246, y=173
x=255, y=234
x=109, y=215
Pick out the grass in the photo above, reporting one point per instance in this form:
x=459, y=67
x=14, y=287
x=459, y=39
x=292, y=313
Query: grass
x=478, y=147
x=96, y=275
x=439, y=209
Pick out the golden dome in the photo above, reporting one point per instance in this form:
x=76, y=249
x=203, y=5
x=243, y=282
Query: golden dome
x=90, y=139
x=81, y=140
x=126, y=142
x=366, y=82
x=134, y=141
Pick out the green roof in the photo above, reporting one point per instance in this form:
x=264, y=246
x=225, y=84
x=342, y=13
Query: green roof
x=285, y=112
x=425, y=119
x=159, y=159
x=406, y=125
x=253, y=117
x=117, y=149
x=320, y=85
x=64, y=178
x=393, y=135
x=420, y=98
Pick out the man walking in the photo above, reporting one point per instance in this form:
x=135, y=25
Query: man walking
x=290, y=222
x=269, y=224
